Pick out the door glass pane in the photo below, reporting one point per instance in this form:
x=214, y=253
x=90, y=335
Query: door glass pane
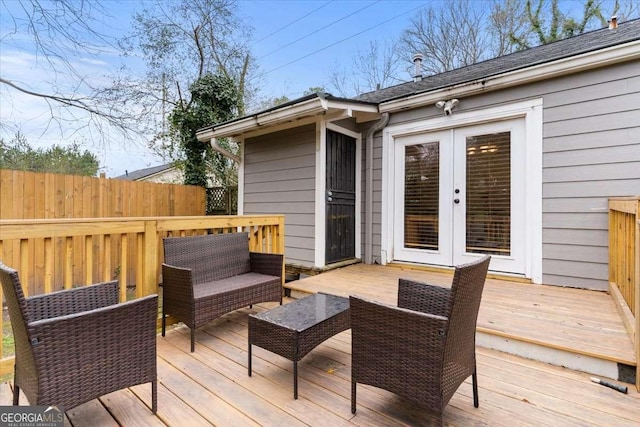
x=421, y=195
x=489, y=194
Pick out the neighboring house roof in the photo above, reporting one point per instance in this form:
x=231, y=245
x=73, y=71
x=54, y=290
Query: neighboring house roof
x=144, y=173
x=587, y=42
x=500, y=72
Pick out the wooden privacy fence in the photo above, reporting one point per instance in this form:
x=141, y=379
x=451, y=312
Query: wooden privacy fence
x=30, y=195
x=128, y=249
x=624, y=266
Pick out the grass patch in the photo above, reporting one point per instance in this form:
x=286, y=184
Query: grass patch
x=7, y=335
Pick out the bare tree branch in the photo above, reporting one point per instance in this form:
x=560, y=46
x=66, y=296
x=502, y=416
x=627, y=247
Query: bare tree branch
x=377, y=65
x=62, y=36
x=449, y=35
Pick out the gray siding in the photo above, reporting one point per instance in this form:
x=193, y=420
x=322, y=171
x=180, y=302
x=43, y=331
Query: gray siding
x=279, y=178
x=591, y=151
x=377, y=197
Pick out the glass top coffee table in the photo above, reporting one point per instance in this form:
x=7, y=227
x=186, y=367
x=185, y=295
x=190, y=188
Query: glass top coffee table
x=293, y=330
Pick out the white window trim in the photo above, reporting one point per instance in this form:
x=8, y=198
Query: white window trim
x=531, y=111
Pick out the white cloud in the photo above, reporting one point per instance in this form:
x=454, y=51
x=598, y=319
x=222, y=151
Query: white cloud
x=45, y=123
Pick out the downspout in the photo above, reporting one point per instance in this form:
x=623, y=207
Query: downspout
x=216, y=147
x=368, y=216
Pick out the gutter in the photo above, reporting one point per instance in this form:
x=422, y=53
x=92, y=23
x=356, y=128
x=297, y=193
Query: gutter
x=368, y=216
x=289, y=112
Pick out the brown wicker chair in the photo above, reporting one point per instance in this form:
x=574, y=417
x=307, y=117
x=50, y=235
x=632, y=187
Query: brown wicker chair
x=423, y=349
x=207, y=276
x=76, y=345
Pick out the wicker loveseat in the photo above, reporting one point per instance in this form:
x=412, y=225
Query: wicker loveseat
x=207, y=276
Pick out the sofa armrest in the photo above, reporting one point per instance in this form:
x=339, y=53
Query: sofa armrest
x=70, y=301
x=271, y=264
x=419, y=296
x=177, y=282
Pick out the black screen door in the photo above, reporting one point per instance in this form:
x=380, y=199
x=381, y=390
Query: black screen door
x=340, y=198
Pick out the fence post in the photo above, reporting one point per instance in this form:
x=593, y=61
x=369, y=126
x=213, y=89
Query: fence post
x=279, y=235
x=637, y=294
x=150, y=258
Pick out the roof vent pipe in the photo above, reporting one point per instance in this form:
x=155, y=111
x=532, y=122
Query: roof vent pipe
x=417, y=61
x=613, y=23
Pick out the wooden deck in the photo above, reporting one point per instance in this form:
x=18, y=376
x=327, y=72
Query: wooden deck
x=579, y=321
x=211, y=387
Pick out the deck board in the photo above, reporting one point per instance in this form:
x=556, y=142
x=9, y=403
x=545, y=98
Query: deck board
x=582, y=321
x=91, y=413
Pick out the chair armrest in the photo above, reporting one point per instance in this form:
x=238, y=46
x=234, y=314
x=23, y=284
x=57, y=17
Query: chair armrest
x=177, y=282
x=264, y=263
x=380, y=317
x=70, y=301
x=394, y=337
x=94, y=342
x=419, y=296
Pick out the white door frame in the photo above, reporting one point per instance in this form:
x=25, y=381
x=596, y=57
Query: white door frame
x=531, y=111
x=321, y=184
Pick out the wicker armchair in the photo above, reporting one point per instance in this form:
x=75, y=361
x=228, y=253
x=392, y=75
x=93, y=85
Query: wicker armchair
x=423, y=349
x=76, y=345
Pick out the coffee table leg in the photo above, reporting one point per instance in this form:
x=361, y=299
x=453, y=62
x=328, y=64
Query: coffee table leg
x=249, y=364
x=295, y=380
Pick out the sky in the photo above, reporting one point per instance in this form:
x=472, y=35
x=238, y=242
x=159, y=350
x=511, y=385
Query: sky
x=296, y=44
x=299, y=43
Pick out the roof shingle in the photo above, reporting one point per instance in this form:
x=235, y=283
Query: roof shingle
x=587, y=42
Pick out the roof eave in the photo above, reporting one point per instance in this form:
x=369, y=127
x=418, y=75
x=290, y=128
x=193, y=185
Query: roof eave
x=287, y=113
x=599, y=58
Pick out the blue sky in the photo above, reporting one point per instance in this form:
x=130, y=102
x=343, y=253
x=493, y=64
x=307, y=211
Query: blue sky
x=326, y=44
x=296, y=45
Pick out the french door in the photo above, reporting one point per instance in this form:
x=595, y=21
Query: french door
x=459, y=194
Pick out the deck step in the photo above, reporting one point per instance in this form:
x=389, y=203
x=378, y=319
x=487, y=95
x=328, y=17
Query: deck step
x=592, y=363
